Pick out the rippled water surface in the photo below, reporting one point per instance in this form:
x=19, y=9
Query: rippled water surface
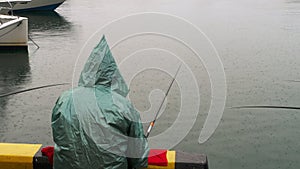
x=257, y=41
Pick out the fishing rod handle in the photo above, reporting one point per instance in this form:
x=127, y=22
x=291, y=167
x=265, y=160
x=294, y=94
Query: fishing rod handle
x=150, y=128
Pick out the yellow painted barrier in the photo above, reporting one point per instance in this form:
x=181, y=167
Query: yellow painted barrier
x=17, y=156
x=25, y=156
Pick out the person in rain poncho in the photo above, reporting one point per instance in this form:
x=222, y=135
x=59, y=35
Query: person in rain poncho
x=94, y=126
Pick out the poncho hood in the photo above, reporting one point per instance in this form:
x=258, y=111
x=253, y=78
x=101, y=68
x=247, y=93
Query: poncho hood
x=101, y=69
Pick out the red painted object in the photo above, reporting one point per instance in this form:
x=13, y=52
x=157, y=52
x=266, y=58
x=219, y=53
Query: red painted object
x=48, y=151
x=156, y=157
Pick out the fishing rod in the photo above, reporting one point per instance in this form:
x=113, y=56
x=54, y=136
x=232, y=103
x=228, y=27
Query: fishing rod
x=151, y=125
x=266, y=107
x=34, y=88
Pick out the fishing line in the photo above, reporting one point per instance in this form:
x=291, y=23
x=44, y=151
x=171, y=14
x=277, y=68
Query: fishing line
x=265, y=107
x=34, y=88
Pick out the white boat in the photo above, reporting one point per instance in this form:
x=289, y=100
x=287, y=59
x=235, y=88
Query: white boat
x=13, y=29
x=38, y=5
x=13, y=32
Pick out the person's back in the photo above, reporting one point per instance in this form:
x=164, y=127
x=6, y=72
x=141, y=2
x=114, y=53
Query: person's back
x=94, y=126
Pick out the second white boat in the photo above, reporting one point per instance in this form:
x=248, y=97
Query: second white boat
x=38, y=5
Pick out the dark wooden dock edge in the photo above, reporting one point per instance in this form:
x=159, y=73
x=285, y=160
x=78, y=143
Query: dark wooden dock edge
x=184, y=160
x=13, y=48
x=190, y=161
x=40, y=161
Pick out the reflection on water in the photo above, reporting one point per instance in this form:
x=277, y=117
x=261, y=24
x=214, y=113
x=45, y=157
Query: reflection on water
x=47, y=21
x=23, y=113
x=14, y=73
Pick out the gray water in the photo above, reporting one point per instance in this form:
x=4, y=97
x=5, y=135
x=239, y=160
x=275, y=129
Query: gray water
x=258, y=43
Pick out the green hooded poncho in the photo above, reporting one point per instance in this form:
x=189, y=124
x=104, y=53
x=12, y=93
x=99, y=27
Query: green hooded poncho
x=94, y=126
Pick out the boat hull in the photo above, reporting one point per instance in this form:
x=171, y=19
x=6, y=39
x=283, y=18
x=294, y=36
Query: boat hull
x=13, y=32
x=38, y=5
